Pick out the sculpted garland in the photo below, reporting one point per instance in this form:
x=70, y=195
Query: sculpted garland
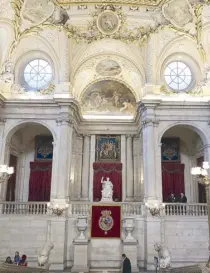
x=107, y=22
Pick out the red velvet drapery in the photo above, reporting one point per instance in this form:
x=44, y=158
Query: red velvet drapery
x=172, y=179
x=11, y=183
x=40, y=181
x=114, y=172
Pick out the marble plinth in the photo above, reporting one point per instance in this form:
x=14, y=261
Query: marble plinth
x=130, y=250
x=80, y=256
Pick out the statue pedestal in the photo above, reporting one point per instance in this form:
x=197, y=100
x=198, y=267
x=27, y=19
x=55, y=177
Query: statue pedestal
x=80, y=256
x=130, y=250
x=106, y=200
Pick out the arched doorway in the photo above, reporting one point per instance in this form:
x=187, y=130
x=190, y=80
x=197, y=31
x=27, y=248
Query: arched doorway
x=30, y=152
x=182, y=148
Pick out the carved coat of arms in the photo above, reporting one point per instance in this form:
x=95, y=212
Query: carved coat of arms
x=106, y=221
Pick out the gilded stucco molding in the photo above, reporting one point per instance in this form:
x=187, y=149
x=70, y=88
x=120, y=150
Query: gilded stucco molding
x=114, y=2
x=48, y=90
x=92, y=31
x=197, y=91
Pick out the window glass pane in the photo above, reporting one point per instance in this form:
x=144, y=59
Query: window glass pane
x=188, y=80
x=174, y=86
x=178, y=76
x=38, y=74
x=168, y=79
x=183, y=86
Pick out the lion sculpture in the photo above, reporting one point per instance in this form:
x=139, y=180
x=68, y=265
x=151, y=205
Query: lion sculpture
x=43, y=257
x=164, y=255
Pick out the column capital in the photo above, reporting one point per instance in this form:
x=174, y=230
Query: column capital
x=86, y=135
x=129, y=136
x=65, y=120
x=137, y=136
x=148, y=122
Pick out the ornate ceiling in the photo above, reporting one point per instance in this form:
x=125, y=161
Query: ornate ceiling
x=114, y=2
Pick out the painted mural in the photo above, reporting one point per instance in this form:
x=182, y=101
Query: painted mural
x=108, y=97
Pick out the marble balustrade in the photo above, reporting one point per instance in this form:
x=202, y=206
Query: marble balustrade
x=84, y=208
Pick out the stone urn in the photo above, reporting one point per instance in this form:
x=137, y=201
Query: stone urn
x=129, y=225
x=82, y=225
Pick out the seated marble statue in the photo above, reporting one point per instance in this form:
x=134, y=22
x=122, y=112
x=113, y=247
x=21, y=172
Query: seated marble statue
x=163, y=255
x=107, y=190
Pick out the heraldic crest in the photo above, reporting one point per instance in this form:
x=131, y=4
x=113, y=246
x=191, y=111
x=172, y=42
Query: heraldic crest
x=106, y=221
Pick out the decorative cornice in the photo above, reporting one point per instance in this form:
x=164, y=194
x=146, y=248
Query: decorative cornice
x=113, y=2
x=150, y=122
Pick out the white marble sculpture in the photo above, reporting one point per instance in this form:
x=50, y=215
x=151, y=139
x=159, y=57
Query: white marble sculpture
x=43, y=257
x=107, y=190
x=8, y=75
x=164, y=255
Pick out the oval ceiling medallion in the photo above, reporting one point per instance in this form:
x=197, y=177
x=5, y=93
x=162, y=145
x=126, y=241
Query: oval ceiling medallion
x=108, y=68
x=108, y=22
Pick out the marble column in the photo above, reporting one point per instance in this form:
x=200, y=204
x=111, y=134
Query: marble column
x=137, y=168
x=5, y=160
x=92, y=160
x=20, y=176
x=124, y=169
x=129, y=167
x=85, y=167
x=64, y=148
x=149, y=159
x=79, y=166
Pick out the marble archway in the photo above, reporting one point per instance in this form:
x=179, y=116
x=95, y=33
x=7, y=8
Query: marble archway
x=181, y=147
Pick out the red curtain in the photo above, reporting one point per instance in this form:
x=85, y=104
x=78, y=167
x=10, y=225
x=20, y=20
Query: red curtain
x=40, y=181
x=114, y=172
x=11, y=183
x=172, y=179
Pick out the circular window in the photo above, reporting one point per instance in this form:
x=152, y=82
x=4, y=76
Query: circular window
x=178, y=76
x=38, y=74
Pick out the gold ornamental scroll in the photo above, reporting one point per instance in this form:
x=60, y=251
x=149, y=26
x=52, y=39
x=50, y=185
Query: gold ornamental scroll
x=113, y=2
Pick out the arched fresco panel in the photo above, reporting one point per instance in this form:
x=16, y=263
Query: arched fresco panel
x=108, y=97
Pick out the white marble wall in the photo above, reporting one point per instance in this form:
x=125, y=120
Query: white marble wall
x=186, y=238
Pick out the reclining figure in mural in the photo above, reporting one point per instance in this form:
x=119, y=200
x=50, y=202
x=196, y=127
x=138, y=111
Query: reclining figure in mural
x=44, y=255
x=107, y=190
x=164, y=256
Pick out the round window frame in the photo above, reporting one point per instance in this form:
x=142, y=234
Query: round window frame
x=24, y=60
x=192, y=83
x=29, y=87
